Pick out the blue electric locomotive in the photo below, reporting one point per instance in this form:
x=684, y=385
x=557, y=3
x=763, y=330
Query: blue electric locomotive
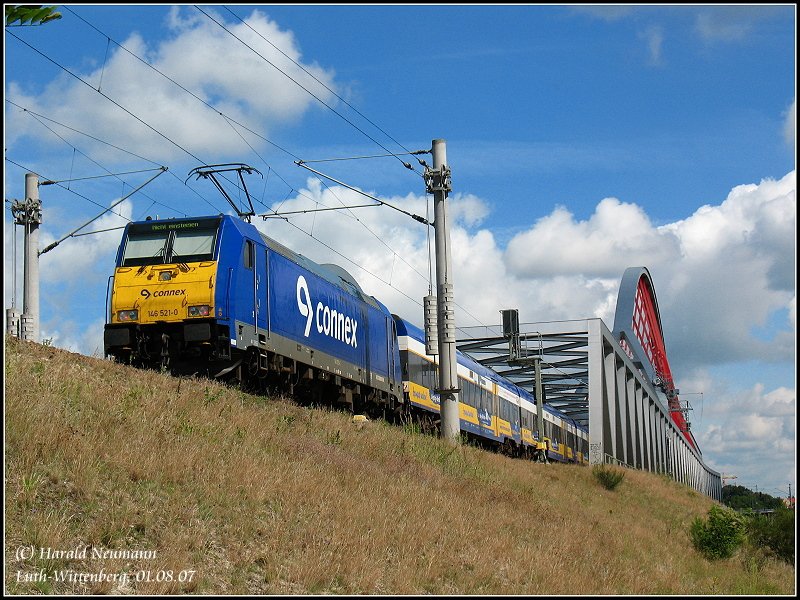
x=216, y=296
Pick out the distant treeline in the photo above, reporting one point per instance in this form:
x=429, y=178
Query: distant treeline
x=739, y=498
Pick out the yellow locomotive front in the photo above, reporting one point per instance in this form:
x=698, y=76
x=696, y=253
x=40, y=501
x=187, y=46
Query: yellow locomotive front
x=163, y=292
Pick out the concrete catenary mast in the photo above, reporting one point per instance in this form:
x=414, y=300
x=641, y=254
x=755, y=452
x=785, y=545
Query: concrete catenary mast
x=438, y=183
x=28, y=213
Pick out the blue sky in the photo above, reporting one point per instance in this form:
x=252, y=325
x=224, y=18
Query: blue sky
x=582, y=141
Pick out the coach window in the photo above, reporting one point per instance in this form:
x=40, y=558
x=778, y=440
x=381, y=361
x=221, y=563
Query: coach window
x=414, y=367
x=417, y=369
x=462, y=395
x=248, y=254
x=487, y=400
x=429, y=373
x=555, y=433
x=421, y=371
x=474, y=395
x=468, y=392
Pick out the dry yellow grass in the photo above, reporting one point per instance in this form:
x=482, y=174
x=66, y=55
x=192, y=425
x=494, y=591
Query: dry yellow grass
x=235, y=494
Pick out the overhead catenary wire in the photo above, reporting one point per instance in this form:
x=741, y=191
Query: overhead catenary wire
x=73, y=179
x=182, y=87
x=275, y=213
x=344, y=207
x=357, y=265
x=232, y=121
x=320, y=82
x=350, y=260
x=65, y=188
x=114, y=102
x=314, y=210
x=56, y=243
x=98, y=231
x=175, y=144
x=75, y=233
x=343, y=158
x=40, y=118
x=422, y=220
x=312, y=94
x=227, y=118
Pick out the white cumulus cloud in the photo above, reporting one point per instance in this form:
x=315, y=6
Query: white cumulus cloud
x=257, y=85
x=790, y=124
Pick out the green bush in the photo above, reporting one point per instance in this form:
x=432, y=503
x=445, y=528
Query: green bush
x=774, y=532
x=720, y=535
x=609, y=478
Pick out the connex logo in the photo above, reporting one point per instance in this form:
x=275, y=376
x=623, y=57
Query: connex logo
x=329, y=321
x=304, y=303
x=161, y=293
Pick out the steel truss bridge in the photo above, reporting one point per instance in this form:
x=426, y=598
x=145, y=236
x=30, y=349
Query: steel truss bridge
x=589, y=376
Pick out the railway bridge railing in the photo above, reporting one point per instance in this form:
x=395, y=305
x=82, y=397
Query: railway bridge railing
x=629, y=422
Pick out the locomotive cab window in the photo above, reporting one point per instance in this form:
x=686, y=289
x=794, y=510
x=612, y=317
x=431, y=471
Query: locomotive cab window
x=144, y=249
x=193, y=246
x=160, y=243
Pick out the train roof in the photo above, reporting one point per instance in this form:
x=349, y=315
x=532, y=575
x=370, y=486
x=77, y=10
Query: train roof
x=330, y=272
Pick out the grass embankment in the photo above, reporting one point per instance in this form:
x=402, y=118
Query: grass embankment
x=238, y=494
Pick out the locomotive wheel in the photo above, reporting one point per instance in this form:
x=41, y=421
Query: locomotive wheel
x=252, y=362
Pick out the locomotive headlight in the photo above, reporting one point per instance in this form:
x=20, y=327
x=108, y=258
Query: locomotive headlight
x=128, y=315
x=202, y=310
